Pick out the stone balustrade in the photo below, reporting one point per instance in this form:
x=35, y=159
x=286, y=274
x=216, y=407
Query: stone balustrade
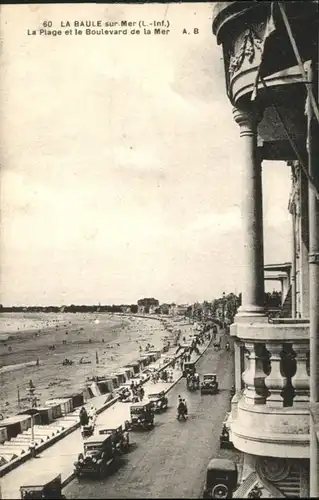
x=272, y=410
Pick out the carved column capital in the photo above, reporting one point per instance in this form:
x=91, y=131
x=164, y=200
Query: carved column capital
x=247, y=119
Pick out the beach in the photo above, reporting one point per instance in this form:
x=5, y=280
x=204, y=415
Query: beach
x=95, y=343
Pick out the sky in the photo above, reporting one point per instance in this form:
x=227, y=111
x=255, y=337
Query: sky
x=121, y=163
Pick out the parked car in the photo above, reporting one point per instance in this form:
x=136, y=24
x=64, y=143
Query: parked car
x=120, y=437
x=221, y=478
x=142, y=416
x=189, y=368
x=47, y=486
x=98, y=456
x=209, y=384
x=159, y=401
x=125, y=395
x=224, y=438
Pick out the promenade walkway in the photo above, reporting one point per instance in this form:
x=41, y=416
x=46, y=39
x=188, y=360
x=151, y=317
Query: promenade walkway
x=60, y=457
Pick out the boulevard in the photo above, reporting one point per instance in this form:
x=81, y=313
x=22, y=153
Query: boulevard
x=170, y=461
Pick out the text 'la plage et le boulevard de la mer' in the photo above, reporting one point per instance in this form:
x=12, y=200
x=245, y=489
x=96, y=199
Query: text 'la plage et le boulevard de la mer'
x=99, y=27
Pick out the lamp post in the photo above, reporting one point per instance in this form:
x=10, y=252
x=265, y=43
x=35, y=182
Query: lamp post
x=33, y=401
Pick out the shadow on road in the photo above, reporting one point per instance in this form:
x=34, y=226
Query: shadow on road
x=133, y=446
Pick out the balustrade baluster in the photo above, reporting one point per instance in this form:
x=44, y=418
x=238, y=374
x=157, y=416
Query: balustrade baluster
x=300, y=381
x=254, y=375
x=275, y=381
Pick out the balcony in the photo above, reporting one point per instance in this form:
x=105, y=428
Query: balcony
x=242, y=28
x=271, y=414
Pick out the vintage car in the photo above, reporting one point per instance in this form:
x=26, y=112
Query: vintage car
x=46, y=486
x=87, y=430
x=142, y=416
x=120, y=437
x=209, y=384
x=221, y=478
x=224, y=438
x=97, y=458
x=189, y=368
x=159, y=401
x=125, y=395
x=192, y=382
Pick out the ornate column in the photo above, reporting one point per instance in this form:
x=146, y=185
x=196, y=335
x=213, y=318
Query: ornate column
x=253, y=282
x=238, y=364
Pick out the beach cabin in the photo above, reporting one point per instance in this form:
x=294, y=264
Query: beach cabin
x=66, y=404
x=46, y=415
x=105, y=385
x=56, y=409
x=156, y=354
x=135, y=365
x=143, y=361
x=3, y=435
x=129, y=371
x=121, y=376
x=94, y=389
x=146, y=358
x=16, y=424
x=33, y=412
x=77, y=399
x=152, y=357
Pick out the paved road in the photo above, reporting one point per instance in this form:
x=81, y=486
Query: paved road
x=170, y=461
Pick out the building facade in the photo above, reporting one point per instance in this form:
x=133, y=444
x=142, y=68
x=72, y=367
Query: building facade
x=270, y=52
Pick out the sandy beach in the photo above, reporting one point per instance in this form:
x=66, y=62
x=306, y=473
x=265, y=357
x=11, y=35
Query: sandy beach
x=112, y=340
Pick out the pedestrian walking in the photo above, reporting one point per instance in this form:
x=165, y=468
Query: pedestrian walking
x=142, y=392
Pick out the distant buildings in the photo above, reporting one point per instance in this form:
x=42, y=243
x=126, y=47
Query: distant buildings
x=147, y=305
x=152, y=306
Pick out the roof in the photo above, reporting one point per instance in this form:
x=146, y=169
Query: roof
x=105, y=430
x=156, y=394
x=222, y=464
x=139, y=405
x=209, y=375
x=97, y=438
x=14, y=419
